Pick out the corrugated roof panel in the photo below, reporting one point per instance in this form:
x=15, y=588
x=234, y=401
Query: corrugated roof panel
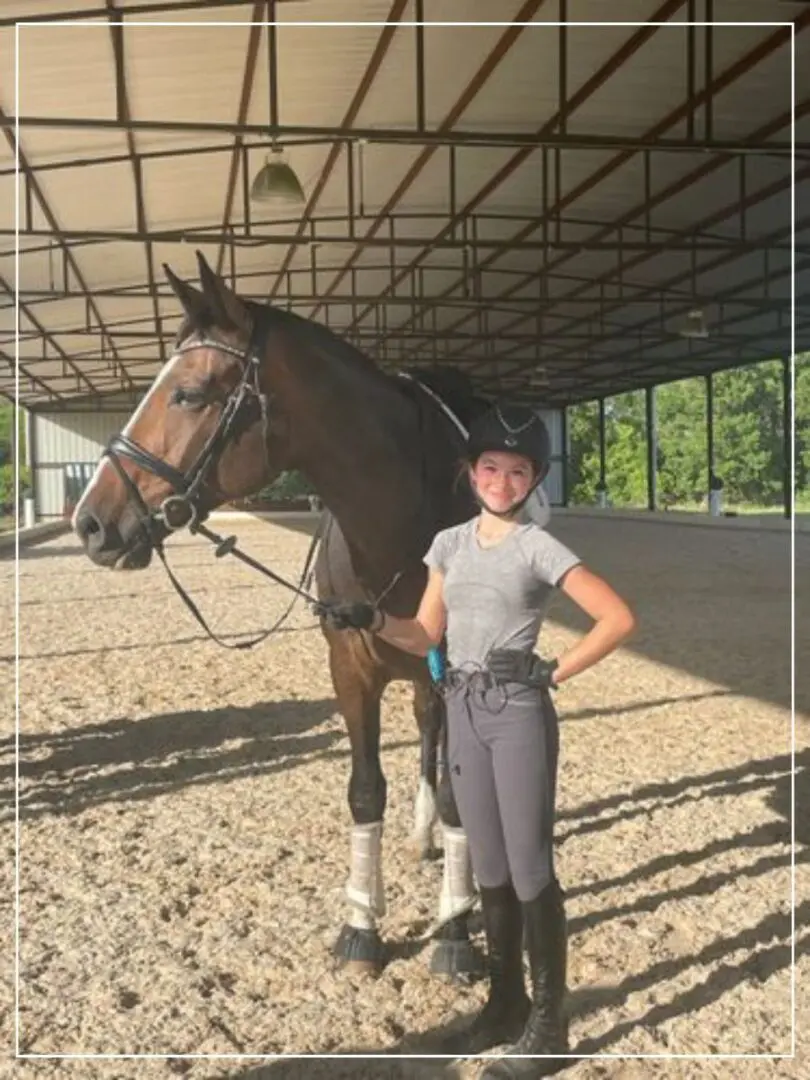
x=99, y=198
x=43, y=145
x=189, y=72
x=454, y=55
x=319, y=68
x=63, y=69
x=114, y=308
x=764, y=94
x=57, y=313
x=185, y=191
x=8, y=191
x=117, y=263
x=39, y=270
x=523, y=92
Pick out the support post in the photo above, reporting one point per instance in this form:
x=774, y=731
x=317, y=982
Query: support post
x=652, y=447
x=709, y=436
x=787, y=442
x=602, y=488
x=564, y=455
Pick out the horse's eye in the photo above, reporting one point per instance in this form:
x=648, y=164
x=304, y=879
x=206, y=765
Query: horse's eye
x=188, y=397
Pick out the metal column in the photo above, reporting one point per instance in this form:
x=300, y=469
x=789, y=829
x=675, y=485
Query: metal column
x=652, y=447
x=602, y=455
x=787, y=441
x=709, y=433
x=564, y=458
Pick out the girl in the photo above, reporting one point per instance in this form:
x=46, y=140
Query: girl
x=489, y=585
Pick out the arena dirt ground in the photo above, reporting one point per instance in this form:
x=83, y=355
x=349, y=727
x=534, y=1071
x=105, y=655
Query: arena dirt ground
x=184, y=828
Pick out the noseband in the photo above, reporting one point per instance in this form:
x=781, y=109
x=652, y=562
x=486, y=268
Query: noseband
x=183, y=507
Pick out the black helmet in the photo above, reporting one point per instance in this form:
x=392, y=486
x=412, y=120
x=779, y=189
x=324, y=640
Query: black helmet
x=516, y=429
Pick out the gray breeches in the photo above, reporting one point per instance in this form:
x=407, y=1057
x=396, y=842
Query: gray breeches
x=502, y=750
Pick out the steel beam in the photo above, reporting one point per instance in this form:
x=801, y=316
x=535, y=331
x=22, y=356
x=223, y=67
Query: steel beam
x=713, y=219
x=709, y=432
x=429, y=139
x=730, y=75
x=158, y=8
x=651, y=441
x=550, y=130
x=238, y=151
x=527, y=11
x=256, y=240
x=706, y=268
x=32, y=183
x=116, y=26
x=788, y=449
x=361, y=93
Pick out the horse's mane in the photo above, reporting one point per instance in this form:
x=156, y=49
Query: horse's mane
x=454, y=387
x=316, y=333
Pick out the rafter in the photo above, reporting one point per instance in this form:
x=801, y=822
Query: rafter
x=527, y=11
x=735, y=71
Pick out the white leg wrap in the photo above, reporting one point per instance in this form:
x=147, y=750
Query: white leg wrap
x=458, y=888
x=364, y=890
x=425, y=815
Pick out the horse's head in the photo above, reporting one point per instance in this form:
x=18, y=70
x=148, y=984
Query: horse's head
x=204, y=434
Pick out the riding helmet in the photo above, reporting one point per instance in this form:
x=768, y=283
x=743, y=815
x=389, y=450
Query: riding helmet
x=515, y=429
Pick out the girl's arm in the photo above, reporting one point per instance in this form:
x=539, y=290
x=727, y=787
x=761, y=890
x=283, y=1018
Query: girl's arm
x=614, y=622
x=425, y=630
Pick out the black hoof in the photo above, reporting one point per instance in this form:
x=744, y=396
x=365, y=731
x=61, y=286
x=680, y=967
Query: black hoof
x=361, y=949
x=458, y=961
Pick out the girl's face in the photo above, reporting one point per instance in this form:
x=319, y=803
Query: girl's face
x=502, y=479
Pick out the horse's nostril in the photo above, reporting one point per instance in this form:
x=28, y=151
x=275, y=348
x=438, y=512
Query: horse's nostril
x=90, y=530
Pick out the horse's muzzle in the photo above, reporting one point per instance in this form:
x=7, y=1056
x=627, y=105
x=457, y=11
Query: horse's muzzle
x=105, y=545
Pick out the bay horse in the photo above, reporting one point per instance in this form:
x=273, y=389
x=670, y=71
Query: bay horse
x=249, y=391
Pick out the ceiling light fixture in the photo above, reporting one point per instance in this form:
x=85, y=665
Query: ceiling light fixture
x=276, y=181
x=694, y=325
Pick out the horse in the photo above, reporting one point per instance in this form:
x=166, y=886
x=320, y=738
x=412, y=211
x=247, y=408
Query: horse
x=251, y=390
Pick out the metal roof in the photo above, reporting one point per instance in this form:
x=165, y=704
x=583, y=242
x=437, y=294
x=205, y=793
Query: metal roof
x=539, y=205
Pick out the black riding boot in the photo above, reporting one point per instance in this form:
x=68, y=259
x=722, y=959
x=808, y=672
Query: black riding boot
x=504, y=1015
x=546, y=1030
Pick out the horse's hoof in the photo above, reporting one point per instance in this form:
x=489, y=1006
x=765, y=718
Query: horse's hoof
x=359, y=952
x=458, y=961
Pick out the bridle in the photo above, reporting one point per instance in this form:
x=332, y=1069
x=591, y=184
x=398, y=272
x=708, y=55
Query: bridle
x=183, y=508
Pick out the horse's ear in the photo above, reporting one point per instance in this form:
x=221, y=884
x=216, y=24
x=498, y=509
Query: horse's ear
x=193, y=301
x=226, y=307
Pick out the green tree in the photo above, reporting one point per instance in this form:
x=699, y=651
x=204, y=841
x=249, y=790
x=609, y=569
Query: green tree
x=626, y=449
x=748, y=433
x=583, y=444
x=682, y=473
x=802, y=415
x=7, y=412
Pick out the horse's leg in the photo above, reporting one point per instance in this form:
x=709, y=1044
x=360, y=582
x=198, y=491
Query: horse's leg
x=429, y=710
x=359, y=685
x=454, y=955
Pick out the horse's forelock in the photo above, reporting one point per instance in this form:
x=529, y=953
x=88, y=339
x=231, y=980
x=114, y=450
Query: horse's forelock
x=191, y=325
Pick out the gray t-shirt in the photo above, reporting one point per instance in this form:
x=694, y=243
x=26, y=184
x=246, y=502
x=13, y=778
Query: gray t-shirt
x=496, y=597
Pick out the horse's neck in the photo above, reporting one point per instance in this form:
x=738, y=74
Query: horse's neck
x=357, y=442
